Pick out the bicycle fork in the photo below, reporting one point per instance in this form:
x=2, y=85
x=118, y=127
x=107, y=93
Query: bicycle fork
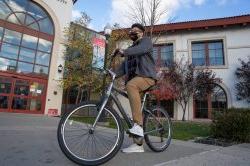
x=104, y=100
x=100, y=111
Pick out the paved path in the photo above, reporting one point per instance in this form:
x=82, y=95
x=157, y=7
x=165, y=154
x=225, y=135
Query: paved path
x=30, y=140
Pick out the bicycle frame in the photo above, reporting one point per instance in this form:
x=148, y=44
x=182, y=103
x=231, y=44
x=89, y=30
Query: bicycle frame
x=110, y=95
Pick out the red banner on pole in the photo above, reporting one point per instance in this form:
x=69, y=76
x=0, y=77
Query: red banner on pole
x=98, y=42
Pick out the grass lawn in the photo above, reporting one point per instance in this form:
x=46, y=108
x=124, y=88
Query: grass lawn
x=190, y=130
x=181, y=130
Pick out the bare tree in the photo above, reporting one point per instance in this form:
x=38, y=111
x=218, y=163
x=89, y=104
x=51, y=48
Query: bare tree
x=83, y=20
x=148, y=13
x=183, y=80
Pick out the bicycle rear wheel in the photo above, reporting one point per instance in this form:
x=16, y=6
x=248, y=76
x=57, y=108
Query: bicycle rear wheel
x=86, y=145
x=157, y=129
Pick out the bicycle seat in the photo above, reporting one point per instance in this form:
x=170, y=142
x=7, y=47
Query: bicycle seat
x=151, y=88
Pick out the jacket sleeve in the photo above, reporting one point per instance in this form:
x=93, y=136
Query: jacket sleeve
x=145, y=46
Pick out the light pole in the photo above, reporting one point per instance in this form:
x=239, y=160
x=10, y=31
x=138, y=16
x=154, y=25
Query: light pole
x=107, y=33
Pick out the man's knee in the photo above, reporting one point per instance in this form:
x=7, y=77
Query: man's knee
x=130, y=85
x=131, y=88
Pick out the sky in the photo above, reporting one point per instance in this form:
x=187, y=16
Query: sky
x=103, y=12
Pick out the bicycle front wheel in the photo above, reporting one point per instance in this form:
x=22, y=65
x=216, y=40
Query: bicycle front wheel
x=157, y=129
x=86, y=145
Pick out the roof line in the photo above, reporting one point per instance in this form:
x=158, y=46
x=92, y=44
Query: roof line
x=210, y=19
x=201, y=24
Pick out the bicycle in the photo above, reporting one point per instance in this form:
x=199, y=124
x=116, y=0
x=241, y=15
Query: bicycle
x=93, y=132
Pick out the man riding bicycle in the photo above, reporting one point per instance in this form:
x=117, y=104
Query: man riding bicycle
x=139, y=68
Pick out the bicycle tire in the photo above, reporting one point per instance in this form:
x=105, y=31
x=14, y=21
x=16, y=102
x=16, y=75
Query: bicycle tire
x=149, y=137
x=82, y=161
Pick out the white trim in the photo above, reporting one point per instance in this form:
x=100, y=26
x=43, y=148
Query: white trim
x=239, y=47
x=58, y=39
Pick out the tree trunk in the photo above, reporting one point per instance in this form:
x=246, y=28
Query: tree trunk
x=151, y=32
x=67, y=100
x=89, y=92
x=184, y=111
x=82, y=90
x=78, y=95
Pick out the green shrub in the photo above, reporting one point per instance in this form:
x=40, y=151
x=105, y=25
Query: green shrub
x=232, y=124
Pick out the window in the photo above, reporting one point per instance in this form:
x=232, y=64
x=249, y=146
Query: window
x=208, y=53
x=204, y=105
x=35, y=104
x=41, y=70
x=25, y=47
x=29, y=41
x=25, y=53
x=44, y=45
x=27, y=13
x=17, y=5
x=4, y=10
x=218, y=99
x=7, y=64
x=42, y=58
x=4, y=102
x=24, y=67
x=12, y=37
x=21, y=88
x=5, y=85
x=163, y=54
x=9, y=51
x=19, y=103
x=1, y=32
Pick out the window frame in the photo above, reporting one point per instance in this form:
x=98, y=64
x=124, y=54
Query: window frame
x=25, y=30
x=20, y=46
x=26, y=13
x=210, y=39
x=159, y=59
x=208, y=100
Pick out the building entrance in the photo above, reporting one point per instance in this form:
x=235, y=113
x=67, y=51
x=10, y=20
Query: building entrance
x=22, y=95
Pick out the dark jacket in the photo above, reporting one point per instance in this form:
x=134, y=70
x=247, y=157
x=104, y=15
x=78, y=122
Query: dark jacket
x=139, y=60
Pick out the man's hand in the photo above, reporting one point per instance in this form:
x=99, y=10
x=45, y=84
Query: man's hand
x=118, y=51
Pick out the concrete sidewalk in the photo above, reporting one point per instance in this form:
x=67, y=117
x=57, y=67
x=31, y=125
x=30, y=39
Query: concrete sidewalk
x=30, y=140
x=237, y=155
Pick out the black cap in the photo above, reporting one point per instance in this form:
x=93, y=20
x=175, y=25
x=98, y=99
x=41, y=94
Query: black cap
x=140, y=26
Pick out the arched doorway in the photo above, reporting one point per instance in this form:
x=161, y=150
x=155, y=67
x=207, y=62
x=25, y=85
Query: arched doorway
x=204, y=105
x=26, y=42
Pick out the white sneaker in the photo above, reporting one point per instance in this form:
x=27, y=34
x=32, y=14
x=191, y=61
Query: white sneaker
x=134, y=148
x=136, y=130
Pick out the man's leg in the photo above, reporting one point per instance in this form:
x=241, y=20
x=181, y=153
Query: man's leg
x=134, y=87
